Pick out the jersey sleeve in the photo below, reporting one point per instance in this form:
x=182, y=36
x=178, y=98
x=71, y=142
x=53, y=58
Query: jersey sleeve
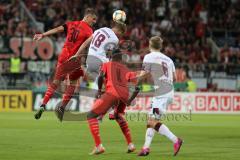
x=66, y=26
x=146, y=66
x=131, y=77
x=89, y=33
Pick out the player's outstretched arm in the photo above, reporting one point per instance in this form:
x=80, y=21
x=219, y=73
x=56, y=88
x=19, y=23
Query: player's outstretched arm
x=38, y=37
x=134, y=95
x=84, y=46
x=79, y=53
x=142, y=75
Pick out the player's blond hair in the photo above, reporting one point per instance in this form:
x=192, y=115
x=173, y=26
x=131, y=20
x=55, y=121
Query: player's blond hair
x=156, y=43
x=90, y=11
x=122, y=27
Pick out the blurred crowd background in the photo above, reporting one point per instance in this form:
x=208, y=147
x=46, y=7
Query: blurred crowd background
x=201, y=36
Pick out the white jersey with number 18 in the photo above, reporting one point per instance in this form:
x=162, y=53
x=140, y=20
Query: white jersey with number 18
x=104, y=39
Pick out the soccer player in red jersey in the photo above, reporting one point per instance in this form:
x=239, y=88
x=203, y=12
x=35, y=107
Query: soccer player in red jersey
x=76, y=33
x=116, y=77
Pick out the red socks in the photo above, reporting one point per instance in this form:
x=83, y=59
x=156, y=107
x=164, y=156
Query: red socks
x=68, y=94
x=94, y=128
x=125, y=130
x=50, y=91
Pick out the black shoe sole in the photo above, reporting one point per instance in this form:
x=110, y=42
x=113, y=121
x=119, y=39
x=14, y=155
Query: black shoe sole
x=59, y=114
x=38, y=115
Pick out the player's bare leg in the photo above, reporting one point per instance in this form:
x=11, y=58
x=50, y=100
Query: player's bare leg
x=94, y=128
x=48, y=94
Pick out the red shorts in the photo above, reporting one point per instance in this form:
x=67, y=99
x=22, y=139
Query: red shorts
x=68, y=68
x=103, y=104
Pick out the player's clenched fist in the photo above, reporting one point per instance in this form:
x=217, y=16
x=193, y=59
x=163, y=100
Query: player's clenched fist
x=38, y=37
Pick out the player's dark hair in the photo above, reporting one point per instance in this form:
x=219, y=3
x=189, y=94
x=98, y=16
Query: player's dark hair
x=156, y=42
x=90, y=11
x=117, y=57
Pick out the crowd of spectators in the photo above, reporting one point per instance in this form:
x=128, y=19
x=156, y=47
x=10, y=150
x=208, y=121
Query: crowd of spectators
x=184, y=24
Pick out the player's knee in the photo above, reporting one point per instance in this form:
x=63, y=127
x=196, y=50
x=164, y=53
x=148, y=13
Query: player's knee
x=119, y=117
x=157, y=126
x=152, y=123
x=91, y=115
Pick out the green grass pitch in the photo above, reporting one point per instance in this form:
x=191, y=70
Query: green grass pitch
x=211, y=137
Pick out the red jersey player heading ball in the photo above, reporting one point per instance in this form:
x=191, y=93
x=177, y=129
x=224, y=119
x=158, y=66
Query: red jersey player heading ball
x=76, y=33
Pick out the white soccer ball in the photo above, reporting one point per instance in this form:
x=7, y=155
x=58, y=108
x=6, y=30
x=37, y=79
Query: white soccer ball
x=119, y=16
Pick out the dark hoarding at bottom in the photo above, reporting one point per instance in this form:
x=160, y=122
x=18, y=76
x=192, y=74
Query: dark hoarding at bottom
x=54, y=101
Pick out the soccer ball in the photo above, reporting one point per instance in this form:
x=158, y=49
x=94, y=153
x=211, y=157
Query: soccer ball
x=119, y=16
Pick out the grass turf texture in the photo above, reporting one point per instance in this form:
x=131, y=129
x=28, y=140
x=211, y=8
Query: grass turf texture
x=212, y=137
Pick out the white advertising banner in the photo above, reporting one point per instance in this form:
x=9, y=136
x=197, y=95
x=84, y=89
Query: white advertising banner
x=199, y=102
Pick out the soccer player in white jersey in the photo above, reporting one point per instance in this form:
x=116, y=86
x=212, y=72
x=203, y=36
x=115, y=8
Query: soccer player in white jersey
x=162, y=70
x=102, y=42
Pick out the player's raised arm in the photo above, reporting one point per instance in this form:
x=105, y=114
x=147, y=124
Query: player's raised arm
x=83, y=47
x=134, y=95
x=38, y=37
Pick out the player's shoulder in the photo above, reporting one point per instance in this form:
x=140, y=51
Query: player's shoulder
x=107, y=31
x=148, y=57
x=84, y=25
x=166, y=57
x=106, y=64
x=106, y=28
x=116, y=64
x=69, y=22
x=73, y=22
x=154, y=56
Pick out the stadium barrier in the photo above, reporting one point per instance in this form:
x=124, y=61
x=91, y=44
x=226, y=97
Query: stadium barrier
x=56, y=99
x=199, y=102
x=15, y=101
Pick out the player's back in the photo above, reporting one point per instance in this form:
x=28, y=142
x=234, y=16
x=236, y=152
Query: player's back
x=104, y=39
x=117, y=77
x=162, y=69
x=77, y=32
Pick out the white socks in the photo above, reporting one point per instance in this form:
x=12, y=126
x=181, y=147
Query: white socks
x=163, y=130
x=166, y=132
x=148, y=138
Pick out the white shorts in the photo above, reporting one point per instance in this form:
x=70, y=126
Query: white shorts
x=94, y=63
x=159, y=105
